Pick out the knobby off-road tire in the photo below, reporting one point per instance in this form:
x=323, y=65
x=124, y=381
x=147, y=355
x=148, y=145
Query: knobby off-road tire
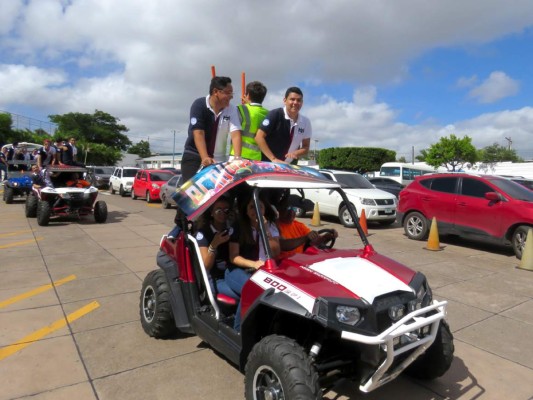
x=44, y=210
x=279, y=368
x=519, y=240
x=8, y=195
x=100, y=212
x=30, y=208
x=155, y=307
x=416, y=226
x=437, y=359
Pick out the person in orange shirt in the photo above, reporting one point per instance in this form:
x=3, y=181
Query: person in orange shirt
x=295, y=236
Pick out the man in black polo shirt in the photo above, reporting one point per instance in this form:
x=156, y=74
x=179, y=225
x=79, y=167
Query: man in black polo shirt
x=212, y=119
x=285, y=134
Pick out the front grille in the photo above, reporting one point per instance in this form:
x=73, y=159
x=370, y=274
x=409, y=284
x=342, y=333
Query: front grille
x=385, y=202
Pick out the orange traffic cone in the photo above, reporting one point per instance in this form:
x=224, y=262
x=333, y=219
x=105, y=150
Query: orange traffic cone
x=433, y=240
x=527, y=253
x=362, y=221
x=315, y=221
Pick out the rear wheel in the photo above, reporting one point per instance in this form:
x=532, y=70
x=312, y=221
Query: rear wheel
x=519, y=240
x=416, y=226
x=279, y=368
x=438, y=357
x=8, y=194
x=155, y=307
x=100, y=212
x=345, y=217
x=31, y=206
x=44, y=210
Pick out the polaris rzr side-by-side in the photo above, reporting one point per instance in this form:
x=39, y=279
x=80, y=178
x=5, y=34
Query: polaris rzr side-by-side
x=68, y=196
x=307, y=319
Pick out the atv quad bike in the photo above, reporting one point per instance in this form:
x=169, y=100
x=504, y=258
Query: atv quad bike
x=70, y=197
x=308, y=319
x=17, y=185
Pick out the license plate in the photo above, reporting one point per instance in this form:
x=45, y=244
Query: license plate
x=388, y=211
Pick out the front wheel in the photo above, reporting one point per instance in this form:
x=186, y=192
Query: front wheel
x=8, y=194
x=438, y=357
x=164, y=202
x=148, y=198
x=157, y=319
x=519, y=240
x=100, y=212
x=111, y=188
x=345, y=217
x=121, y=191
x=279, y=368
x=416, y=226
x=31, y=206
x=133, y=197
x=44, y=210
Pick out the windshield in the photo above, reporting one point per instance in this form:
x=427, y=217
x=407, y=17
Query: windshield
x=353, y=181
x=104, y=170
x=161, y=176
x=513, y=189
x=389, y=171
x=129, y=173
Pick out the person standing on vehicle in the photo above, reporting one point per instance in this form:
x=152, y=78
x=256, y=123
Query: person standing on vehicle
x=212, y=119
x=285, y=134
x=251, y=114
x=46, y=155
x=3, y=164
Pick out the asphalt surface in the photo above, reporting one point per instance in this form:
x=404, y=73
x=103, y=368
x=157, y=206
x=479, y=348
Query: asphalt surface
x=80, y=338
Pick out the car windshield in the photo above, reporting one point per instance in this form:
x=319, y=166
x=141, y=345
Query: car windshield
x=129, y=173
x=353, y=181
x=513, y=189
x=104, y=170
x=161, y=176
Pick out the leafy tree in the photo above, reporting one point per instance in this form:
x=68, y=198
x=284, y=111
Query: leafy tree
x=360, y=159
x=5, y=128
x=99, y=132
x=497, y=153
x=451, y=153
x=402, y=159
x=422, y=156
x=142, y=149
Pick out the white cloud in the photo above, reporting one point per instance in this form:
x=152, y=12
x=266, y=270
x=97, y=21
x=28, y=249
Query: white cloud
x=496, y=87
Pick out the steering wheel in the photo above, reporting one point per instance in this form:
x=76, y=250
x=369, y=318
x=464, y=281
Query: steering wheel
x=329, y=243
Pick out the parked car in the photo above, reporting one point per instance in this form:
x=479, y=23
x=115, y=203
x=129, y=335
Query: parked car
x=147, y=183
x=167, y=191
x=482, y=207
x=379, y=206
x=528, y=183
x=99, y=176
x=17, y=185
x=122, y=180
x=387, y=184
x=308, y=320
x=173, y=170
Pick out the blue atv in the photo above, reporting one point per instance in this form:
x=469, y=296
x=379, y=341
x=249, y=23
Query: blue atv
x=18, y=184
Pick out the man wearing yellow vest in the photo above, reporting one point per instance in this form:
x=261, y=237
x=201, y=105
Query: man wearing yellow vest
x=251, y=113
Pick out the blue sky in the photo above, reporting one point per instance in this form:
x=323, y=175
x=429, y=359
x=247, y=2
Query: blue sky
x=393, y=74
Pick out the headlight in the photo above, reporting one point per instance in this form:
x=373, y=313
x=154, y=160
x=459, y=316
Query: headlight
x=348, y=315
x=367, y=202
x=397, y=312
x=65, y=196
x=155, y=186
x=423, y=298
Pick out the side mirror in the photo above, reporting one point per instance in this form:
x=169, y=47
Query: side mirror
x=493, y=196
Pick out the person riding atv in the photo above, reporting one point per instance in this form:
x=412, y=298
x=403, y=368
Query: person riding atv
x=307, y=319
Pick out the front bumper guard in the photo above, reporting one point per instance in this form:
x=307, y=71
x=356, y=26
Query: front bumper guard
x=411, y=322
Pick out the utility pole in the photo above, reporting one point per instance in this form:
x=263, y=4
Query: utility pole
x=509, y=141
x=174, y=149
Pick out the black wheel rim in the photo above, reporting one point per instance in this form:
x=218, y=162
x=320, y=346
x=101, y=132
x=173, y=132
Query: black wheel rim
x=149, y=304
x=267, y=385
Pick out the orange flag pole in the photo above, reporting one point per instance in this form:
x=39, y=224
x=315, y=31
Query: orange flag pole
x=243, y=86
x=213, y=72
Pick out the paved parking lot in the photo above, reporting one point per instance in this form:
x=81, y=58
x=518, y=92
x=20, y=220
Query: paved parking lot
x=80, y=337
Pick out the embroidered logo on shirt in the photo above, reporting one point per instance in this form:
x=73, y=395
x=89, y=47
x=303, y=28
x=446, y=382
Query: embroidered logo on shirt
x=266, y=122
x=193, y=121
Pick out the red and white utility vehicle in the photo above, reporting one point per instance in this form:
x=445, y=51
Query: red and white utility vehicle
x=307, y=320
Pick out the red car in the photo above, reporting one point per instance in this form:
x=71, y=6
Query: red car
x=147, y=183
x=486, y=207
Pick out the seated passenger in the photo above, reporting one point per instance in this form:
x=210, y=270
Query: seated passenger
x=246, y=251
x=295, y=236
x=40, y=177
x=213, y=239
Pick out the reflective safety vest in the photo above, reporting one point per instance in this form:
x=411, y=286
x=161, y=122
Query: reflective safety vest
x=251, y=117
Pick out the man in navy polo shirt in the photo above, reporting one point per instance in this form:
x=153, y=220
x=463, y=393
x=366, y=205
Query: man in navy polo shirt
x=212, y=120
x=285, y=134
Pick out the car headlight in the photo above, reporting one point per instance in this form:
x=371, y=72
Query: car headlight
x=367, y=202
x=15, y=184
x=155, y=186
x=348, y=315
x=397, y=312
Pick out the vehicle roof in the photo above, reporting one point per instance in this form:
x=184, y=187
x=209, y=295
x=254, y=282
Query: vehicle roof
x=202, y=190
x=335, y=171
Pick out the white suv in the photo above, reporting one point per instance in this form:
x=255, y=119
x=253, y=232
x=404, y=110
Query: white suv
x=379, y=206
x=122, y=180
